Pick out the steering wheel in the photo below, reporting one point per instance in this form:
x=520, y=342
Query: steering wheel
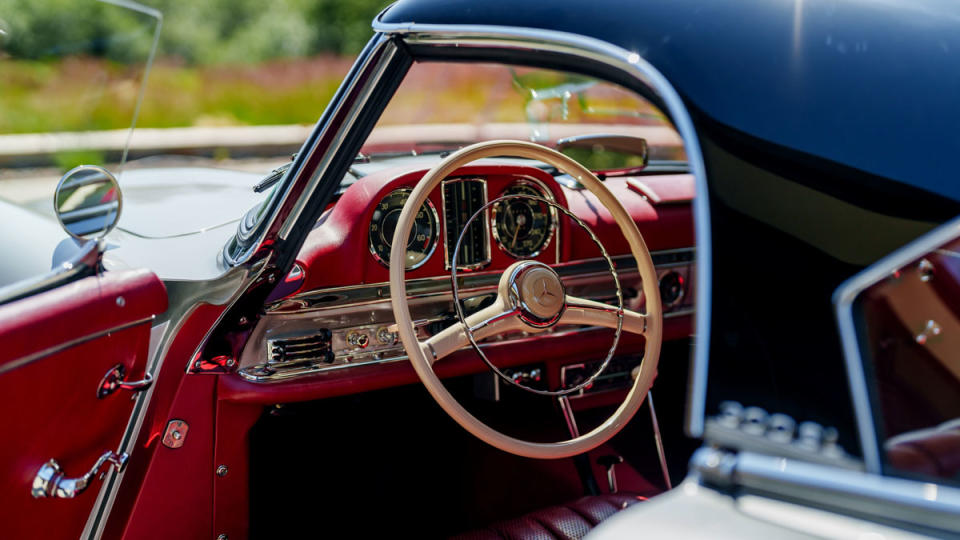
x=530, y=297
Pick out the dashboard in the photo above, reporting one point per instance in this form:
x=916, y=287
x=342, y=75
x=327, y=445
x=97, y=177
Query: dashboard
x=333, y=318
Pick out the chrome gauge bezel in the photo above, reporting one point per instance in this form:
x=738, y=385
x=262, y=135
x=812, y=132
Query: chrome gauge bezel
x=544, y=192
x=486, y=233
x=433, y=244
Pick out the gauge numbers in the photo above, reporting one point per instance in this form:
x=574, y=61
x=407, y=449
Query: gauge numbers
x=423, y=236
x=523, y=227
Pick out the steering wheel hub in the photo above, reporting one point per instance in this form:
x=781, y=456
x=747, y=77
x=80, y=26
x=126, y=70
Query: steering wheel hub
x=536, y=291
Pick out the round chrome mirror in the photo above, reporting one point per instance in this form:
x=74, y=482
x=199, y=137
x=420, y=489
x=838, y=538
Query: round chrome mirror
x=88, y=202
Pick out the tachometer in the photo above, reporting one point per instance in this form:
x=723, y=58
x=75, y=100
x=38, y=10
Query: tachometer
x=423, y=237
x=521, y=226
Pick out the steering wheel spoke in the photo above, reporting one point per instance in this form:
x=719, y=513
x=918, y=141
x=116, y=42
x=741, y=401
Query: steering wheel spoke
x=489, y=321
x=591, y=313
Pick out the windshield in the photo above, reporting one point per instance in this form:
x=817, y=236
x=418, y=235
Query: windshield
x=69, y=94
x=448, y=105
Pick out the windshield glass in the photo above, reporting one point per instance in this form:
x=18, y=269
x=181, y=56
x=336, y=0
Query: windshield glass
x=69, y=92
x=448, y=105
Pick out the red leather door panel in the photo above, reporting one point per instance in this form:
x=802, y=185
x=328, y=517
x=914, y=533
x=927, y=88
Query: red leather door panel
x=55, y=347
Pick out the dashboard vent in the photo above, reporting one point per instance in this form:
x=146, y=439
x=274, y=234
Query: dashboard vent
x=299, y=351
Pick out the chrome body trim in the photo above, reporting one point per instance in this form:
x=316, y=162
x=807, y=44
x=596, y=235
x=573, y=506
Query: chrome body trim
x=83, y=264
x=904, y=502
x=545, y=193
x=433, y=247
x=843, y=300
x=369, y=71
x=59, y=347
x=633, y=64
x=486, y=230
x=377, y=64
x=183, y=299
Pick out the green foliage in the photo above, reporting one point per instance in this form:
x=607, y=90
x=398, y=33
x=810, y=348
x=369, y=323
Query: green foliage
x=197, y=31
x=68, y=160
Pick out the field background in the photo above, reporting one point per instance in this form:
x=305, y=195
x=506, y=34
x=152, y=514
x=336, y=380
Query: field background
x=74, y=65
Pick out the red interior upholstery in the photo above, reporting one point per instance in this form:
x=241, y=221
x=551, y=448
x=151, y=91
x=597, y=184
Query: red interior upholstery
x=934, y=452
x=567, y=522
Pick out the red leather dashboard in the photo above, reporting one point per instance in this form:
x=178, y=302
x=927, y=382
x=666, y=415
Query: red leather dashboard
x=343, y=235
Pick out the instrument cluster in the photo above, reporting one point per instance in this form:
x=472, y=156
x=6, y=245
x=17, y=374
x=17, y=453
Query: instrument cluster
x=520, y=220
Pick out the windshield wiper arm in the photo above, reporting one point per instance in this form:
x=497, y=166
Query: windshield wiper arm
x=273, y=176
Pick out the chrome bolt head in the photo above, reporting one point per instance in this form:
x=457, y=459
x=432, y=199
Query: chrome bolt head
x=222, y=471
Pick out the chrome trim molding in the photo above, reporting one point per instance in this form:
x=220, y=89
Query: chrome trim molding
x=183, y=299
x=633, y=64
x=319, y=299
x=905, y=502
x=843, y=300
x=374, y=60
x=10, y=366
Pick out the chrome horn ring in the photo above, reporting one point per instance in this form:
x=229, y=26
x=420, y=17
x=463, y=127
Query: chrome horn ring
x=523, y=310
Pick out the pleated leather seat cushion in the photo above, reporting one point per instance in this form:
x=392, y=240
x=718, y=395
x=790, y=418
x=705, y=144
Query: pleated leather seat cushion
x=565, y=522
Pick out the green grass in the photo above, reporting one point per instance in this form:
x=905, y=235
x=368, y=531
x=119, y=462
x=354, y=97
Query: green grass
x=82, y=94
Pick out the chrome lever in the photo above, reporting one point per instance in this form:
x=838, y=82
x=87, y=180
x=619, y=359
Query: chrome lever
x=50, y=480
x=115, y=379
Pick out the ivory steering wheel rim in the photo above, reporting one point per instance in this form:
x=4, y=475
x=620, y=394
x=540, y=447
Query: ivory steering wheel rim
x=650, y=324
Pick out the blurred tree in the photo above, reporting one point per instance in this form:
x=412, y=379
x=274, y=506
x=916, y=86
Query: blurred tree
x=198, y=31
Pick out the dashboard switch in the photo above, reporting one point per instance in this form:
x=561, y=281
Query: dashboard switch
x=358, y=339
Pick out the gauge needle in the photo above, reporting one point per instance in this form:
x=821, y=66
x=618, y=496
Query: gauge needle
x=521, y=221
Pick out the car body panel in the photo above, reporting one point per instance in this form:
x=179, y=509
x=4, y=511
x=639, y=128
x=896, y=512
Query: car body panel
x=56, y=348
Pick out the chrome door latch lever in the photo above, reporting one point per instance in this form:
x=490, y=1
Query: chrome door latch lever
x=115, y=379
x=50, y=480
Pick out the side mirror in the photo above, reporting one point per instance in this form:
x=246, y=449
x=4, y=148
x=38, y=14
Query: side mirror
x=88, y=202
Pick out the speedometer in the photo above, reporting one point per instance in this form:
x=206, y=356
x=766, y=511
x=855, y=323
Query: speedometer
x=523, y=226
x=423, y=236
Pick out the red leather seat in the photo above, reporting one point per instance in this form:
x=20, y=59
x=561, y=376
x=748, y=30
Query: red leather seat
x=567, y=522
x=934, y=452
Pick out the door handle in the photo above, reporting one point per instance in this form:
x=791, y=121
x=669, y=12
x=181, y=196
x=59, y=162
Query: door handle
x=116, y=379
x=51, y=481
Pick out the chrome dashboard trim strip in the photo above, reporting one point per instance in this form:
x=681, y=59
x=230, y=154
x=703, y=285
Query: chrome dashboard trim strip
x=634, y=65
x=374, y=360
x=843, y=299
x=10, y=366
x=424, y=287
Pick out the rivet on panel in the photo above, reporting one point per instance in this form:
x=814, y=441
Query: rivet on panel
x=222, y=471
x=121, y=301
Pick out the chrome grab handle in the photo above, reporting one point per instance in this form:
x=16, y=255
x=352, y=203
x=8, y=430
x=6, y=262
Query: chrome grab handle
x=114, y=379
x=50, y=480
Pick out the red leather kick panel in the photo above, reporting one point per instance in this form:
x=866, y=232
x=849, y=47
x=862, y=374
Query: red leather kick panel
x=50, y=405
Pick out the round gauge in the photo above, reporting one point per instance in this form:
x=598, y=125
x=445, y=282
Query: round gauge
x=423, y=236
x=522, y=226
